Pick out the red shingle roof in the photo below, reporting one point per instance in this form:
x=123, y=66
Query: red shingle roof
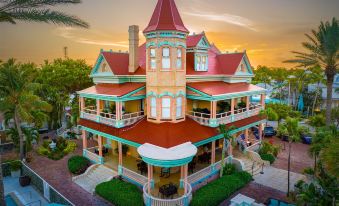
x=113, y=89
x=166, y=134
x=166, y=17
x=218, y=88
x=193, y=40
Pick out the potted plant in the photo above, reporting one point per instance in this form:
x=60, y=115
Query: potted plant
x=15, y=169
x=24, y=180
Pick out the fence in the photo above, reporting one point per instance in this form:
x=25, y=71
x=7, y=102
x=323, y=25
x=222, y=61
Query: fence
x=49, y=192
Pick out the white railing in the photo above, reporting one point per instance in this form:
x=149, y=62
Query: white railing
x=134, y=176
x=195, y=177
x=108, y=115
x=108, y=121
x=92, y=155
x=132, y=118
x=254, y=110
x=218, y=164
x=180, y=201
x=202, y=118
x=89, y=116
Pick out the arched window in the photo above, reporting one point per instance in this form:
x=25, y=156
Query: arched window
x=166, y=60
x=153, y=106
x=179, y=107
x=166, y=108
x=179, y=58
x=153, y=60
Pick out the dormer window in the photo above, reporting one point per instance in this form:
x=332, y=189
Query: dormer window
x=166, y=61
x=153, y=58
x=201, y=63
x=179, y=59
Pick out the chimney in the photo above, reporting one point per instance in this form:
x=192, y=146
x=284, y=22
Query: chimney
x=133, y=48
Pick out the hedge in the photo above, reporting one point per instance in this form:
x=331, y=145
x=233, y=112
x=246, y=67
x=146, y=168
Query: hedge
x=78, y=164
x=217, y=191
x=120, y=193
x=268, y=157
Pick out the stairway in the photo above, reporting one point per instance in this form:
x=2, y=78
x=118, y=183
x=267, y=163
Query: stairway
x=248, y=164
x=93, y=176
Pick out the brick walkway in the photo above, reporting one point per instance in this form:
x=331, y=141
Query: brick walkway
x=56, y=174
x=300, y=158
x=258, y=192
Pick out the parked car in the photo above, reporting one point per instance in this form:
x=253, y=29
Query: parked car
x=306, y=138
x=269, y=131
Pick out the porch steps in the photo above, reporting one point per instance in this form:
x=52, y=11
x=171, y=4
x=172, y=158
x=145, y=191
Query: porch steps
x=93, y=176
x=248, y=163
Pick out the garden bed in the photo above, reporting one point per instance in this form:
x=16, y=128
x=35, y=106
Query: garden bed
x=217, y=191
x=120, y=193
x=78, y=164
x=62, y=148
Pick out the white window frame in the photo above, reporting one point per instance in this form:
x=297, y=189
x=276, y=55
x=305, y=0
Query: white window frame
x=179, y=104
x=166, y=60
x=153, y=62
x=153, y=107
x=179, y=58
x=166, y=108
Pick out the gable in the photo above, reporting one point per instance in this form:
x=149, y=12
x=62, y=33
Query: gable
x=244, y=68
x=101, y=67
x=203, y=43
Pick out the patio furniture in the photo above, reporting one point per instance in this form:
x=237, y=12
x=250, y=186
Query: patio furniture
x=165, y=172
x=168, y=190
x=104, y=151
x=205, y=157
x=142, y=167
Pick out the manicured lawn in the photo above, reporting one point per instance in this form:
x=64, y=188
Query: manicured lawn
x=214, y=193
x=120, y=193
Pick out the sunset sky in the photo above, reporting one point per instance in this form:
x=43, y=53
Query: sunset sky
x=267, y=29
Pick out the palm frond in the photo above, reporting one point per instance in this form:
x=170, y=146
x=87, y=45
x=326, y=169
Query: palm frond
x=28, y=4
x=47, y=16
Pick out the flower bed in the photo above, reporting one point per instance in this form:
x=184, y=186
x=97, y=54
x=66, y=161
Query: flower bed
x=120, y=193
x=217, y=191
x=78, y=164
x=62, y=148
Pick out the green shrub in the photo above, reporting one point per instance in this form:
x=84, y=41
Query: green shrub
x=217, y=191
x=268, y=148
x=308, y=171
x=229, y=169
x=43, y=151
x=268, y=157
x=15, y=165
x=120, y=193
x=71, y=146
x=78, y=164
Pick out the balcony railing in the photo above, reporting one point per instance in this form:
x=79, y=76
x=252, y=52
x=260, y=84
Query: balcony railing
x=133, y=176
x=180, y=201
x=110, y=119
x=226, y=117
x=90, y=154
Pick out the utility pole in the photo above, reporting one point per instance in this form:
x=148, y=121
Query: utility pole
x=66, y=52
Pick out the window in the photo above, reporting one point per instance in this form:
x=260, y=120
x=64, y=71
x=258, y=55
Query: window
x=153, y=58
x=179, y=57
x=153, y=107
x=166, y=58
x=201, y=63
x=179, y=107
x=198, y=63
x=166, y=108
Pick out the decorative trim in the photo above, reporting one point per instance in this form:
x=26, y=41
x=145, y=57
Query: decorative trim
x=153, y=94
x=167, y=163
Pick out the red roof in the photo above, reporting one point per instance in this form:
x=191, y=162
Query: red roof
x=218, y=88
x=193, y=40
x=113, y=89
x=166, y=17
x=166, y=134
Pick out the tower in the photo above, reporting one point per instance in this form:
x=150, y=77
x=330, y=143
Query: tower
x=166, y=64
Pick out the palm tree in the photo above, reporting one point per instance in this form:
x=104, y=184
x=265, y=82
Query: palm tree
x=227, y=142
x=323, y=51
x=38, y=11
x=2, y=191
x=17, y=97
x=292, y=129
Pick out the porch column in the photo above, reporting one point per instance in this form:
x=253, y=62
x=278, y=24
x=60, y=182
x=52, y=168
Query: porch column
x=260, y=131
x=82, y=103
x=185, y=177
x=262, y=100
x=182, y=176
x=247, y=103
x=213, y=109
x=84, y=139
x=149, y=177
x=100, y=145
x=120, y=153
x=232, y=106
x=98, y=107
x=117, y=110
x=213, y=153
x=246, y=135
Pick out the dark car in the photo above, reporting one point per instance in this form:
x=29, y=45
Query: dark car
x=306, y=139
x=269, y=131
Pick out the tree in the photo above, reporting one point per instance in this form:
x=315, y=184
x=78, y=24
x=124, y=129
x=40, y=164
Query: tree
x=60, y=80
x=18, y=98
x=292, y=127
x=335, y=116
x=323, y=51
x=270, y=114
x=262, y=75
x=282, y=110
x=38, y=11
x=227, y=142
x=2, y=191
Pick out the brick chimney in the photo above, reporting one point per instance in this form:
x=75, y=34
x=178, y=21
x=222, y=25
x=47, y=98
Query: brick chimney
x=133, y=48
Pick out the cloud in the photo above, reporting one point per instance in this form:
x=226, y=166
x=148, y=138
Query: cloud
x=70, y=33
x=227, y=18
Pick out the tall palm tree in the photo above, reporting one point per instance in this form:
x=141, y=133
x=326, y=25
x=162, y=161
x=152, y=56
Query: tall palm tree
x=17, y=96
x=323, y=51
x=38, y=11
x=226, y=131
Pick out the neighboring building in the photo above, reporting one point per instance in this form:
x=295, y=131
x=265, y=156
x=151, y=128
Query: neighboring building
x=323, y=87
x=156, y=109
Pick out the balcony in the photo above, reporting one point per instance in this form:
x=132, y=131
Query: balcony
x=226, y=117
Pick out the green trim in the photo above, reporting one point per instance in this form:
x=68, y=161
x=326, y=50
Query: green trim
x=167, y=43
x=198, y=92
x=219, y=136
x=153, y=94
x=166, y=94
x=133, y=92
x=118, y=139
x=167, y=163
x=112, y=98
